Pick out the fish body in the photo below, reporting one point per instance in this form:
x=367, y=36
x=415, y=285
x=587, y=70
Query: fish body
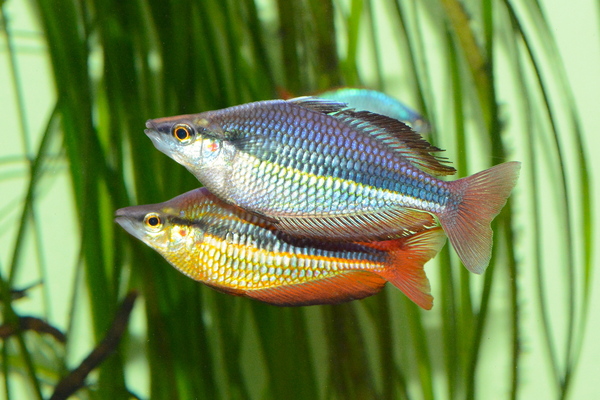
x=378, y=102
x=236, y=252
x=318, y=169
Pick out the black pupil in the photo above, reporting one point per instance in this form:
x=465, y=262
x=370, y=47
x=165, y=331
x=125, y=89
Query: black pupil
x=153, y=221
x=181, y=133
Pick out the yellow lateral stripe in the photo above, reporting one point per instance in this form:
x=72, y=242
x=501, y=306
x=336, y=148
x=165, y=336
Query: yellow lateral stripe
x=267, y=168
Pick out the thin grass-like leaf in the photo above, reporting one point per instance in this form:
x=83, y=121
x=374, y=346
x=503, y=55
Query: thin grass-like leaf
x=29, y=211
x=583, y=183
x=26, y=215
x=565, y=376
x=277, y=329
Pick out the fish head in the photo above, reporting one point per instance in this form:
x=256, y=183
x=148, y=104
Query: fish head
x=190, y=140
x=160, y=226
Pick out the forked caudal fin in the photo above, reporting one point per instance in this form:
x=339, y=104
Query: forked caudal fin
x=407, y=256
x=480, y=199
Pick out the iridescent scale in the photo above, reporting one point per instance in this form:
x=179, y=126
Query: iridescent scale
x=244, y=266
x=309, y=163
x=230, y=250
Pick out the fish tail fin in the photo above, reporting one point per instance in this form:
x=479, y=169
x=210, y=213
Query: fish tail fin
x=406, y=258
x=467, y=224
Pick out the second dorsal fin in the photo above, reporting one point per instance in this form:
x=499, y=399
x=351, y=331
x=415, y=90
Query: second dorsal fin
x=396, y=134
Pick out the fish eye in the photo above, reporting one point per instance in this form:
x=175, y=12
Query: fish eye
x=183, y=133
x=153, y=221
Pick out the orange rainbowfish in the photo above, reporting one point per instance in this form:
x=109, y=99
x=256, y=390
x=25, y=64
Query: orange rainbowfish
x=238, y=253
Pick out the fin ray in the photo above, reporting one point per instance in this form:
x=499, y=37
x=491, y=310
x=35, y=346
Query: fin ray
x=468, y=224
x=407, y=258
x=323, y=106
x=401, y=138
x=396, y=134
x=346, y=286
x=382, y=225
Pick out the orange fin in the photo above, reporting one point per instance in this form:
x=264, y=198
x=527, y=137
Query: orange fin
x=224, y=289
x=468, y=224
x=346, y=286
x=407, y=257
x=382, y=225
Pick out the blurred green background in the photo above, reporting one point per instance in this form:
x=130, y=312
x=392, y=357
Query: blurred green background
x=499, y=80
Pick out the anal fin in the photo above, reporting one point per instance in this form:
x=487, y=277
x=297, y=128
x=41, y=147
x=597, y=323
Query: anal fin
x=346, y=286
x=406, y=260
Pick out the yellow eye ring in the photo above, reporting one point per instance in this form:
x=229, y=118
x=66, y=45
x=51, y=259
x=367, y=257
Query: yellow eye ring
x=153, y=221
x=182, y=132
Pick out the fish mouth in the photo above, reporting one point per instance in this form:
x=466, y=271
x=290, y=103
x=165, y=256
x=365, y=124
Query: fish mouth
x=151, y=130
x=156, y=139
x=122, y=218
x=151, y=133
x=150, y=124
x=121, y=212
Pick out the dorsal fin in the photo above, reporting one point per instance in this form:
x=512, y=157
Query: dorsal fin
x=319, y=105
x=399, y=137
x=396, y=134
x=381, y=225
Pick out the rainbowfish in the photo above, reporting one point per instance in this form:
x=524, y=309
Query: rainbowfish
x=318, y=169
x=236, y=252
x=377, y=102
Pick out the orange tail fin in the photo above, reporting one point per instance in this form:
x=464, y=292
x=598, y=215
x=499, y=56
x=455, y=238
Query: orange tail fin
x=468, y=224
x=407, y=257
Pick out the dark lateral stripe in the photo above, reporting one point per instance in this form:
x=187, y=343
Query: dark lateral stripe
x=267, y=240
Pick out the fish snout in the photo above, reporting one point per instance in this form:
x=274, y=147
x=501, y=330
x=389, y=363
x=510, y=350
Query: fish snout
x=152, y=129
x=150, y=124
x=125, y=216
x=121, y=216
